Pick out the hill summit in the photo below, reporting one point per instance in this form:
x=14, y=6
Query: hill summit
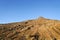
x=36, y=29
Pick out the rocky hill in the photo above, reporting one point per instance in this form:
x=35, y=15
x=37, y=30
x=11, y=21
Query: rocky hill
x=36, y=29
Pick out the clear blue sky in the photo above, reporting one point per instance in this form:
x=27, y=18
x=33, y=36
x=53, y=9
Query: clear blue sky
x=20, y=10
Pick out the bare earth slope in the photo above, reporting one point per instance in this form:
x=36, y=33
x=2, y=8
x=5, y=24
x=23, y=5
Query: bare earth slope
x=38, y=29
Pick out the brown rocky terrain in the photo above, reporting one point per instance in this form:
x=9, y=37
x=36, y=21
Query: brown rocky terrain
x=37, y=29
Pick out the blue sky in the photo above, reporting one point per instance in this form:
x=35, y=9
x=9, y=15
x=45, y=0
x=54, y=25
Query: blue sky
x=20, y=10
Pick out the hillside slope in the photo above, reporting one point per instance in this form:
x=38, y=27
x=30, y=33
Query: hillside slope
x=37, y=29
